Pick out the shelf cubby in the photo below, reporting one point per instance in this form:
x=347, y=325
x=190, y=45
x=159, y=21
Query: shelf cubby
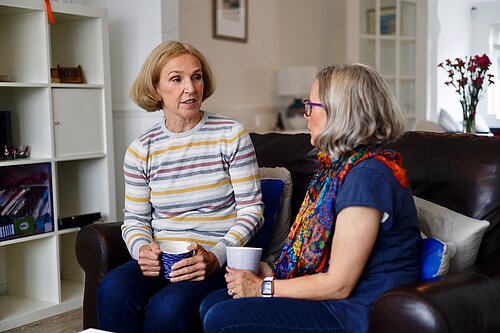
x=82, y=188
x=30, y=116
x=77, y=40
x=23, y=34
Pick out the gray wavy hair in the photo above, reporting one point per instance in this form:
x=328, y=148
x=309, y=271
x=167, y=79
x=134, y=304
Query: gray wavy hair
x=360, y=107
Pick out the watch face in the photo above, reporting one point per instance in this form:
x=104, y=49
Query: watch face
x=267, y=287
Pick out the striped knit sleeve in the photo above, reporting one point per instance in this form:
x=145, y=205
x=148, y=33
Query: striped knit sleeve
x=136, y=228
x=245, y=179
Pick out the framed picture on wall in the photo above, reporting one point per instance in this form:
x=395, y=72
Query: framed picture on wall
x=230, y=20
x=387, y=21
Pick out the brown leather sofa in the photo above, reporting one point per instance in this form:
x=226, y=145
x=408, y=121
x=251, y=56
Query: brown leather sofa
x=461, y=172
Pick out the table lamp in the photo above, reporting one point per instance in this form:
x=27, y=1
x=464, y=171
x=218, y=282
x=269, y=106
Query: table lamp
x=296, y=82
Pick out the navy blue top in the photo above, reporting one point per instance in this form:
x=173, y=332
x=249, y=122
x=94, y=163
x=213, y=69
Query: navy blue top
x=394, y=258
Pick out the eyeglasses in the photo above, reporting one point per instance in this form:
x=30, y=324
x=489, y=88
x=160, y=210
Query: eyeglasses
x=308, y=105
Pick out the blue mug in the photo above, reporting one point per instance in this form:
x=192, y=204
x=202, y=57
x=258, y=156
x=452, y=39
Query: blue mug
x=172, y=252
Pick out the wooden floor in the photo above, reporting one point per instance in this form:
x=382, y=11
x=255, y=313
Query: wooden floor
x=68, y=322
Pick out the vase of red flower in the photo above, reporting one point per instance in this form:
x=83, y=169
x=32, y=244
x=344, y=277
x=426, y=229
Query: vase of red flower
x=470, y=78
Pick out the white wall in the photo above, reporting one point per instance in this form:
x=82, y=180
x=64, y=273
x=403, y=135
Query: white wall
x=303, y=34
x=453, y=40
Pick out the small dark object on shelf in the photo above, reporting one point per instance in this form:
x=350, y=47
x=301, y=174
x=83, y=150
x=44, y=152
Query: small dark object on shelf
x=77, y=220
x=280, y=126
x=5, y=78
x=5, y=129
x=66, y=74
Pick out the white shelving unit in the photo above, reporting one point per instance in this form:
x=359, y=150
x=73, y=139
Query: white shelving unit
x=70, y=132
x=390, y=35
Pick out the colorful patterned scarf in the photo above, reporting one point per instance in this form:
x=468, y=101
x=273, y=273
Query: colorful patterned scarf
x=307, y=249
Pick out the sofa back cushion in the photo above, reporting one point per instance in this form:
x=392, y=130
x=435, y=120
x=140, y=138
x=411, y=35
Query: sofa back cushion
x=295, y=153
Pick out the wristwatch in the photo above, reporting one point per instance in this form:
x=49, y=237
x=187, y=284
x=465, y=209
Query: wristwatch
x=267, y=289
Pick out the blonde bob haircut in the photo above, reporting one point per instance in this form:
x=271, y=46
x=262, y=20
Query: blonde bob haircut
x=143, y=91
x=360, y=109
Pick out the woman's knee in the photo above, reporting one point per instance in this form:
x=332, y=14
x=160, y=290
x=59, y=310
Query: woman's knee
x=118, y=284
x=170, y=306
x=109, y=288
x=214, y=318
x=171, y=312
x=212, y=299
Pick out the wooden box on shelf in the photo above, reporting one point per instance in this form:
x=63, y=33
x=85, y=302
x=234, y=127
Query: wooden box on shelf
x=66, y=74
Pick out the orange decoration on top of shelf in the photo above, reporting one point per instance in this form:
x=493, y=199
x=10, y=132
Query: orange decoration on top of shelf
x=49, y=12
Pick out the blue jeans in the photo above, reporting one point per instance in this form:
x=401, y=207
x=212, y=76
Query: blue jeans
x=222, y=314
x=128, y=301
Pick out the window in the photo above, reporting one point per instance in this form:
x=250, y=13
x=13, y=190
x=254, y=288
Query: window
x=494, y=91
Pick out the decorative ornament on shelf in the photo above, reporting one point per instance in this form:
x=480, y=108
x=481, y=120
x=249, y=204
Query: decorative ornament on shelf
x=296, y=82
x=469, y=77
x=66, y=74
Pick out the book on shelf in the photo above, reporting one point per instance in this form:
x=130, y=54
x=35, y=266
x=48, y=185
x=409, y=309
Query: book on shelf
x=5, y=130
x=7, y=228
x=11, y=198
x=25, y=200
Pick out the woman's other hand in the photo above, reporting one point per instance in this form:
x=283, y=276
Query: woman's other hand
x=243, y=283
x=149, y=259
x=197, y=268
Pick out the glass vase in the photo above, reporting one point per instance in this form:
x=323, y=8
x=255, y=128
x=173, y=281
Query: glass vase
x=469, y=124
x=469, y=120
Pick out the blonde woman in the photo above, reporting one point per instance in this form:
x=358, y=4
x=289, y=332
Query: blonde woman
x=192, y=177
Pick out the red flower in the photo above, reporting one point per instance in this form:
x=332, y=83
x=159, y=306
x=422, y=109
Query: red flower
x=483, y=61
x=462, y=82
x=460, y=62
x=478, y=82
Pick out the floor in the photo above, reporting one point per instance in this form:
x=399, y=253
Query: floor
x=68, y=322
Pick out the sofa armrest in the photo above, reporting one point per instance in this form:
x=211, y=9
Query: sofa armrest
x=99, y=248
x=461, y=302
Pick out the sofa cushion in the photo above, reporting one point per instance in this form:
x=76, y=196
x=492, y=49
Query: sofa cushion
x=435, y=256
x=272, y=189
x=464, y=232
x=276, y=186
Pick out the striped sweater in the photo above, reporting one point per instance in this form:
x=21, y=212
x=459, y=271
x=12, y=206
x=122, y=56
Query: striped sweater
x=199, y=186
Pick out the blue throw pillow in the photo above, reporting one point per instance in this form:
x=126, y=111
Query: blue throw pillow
x=435, y=257
x=272, y=189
